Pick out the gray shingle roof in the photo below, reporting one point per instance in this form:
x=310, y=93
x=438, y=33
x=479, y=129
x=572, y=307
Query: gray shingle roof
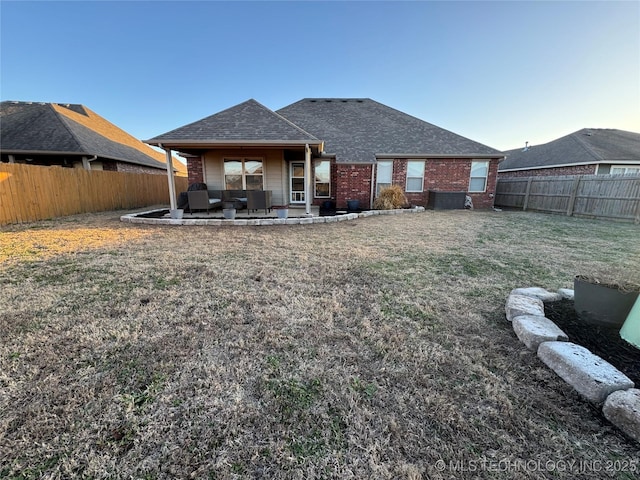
x=589, y=145
x=356, y=130
x=247, y=122
x=40, y=127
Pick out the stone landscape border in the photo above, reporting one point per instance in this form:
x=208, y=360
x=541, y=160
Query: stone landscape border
x=266, y=221
x=592, y=377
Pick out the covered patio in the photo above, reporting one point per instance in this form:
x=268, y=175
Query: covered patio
x=249, y=147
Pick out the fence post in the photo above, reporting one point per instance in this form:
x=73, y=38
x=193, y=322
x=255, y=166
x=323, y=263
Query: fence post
x=574, y=193
x=526, y=194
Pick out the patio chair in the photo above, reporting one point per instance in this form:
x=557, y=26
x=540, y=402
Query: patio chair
x=236, y=197
x=199, y=200
x=257, y=199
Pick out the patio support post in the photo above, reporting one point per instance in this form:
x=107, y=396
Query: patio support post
x=308, y=187
x=172, y=183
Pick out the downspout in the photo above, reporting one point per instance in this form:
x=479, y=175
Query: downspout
x=172, y=184
x=307, y=181
x=86, y=162
x=373, y=185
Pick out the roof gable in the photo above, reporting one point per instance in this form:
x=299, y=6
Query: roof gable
x=359, y=129
x=71, y=129
x=247, y=122
x=589, y=145
x=34, y=127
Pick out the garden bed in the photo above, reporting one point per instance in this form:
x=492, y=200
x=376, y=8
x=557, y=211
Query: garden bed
x=602, y=340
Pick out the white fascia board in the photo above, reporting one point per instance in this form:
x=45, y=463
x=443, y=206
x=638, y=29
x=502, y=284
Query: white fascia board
x=437, y=155
x=227, y=143
x=43, y=152
x=542, y=167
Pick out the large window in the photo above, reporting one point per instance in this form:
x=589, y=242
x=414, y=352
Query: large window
x=623, y=170
x=415, y=175
x=479, y=174
x=323, y=178
x=243, y=174
x=383, y=175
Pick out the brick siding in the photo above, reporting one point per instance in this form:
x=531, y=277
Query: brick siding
x=446, y=175
x=548, y=172
x=353, y=182
x=194, y=170
x=131, y=168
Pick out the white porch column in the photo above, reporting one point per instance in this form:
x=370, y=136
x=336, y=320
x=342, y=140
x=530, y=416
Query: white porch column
x=12, y=159
x=308, y=186
x=172, y=183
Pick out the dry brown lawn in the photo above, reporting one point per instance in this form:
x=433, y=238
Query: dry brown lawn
x=376, y=348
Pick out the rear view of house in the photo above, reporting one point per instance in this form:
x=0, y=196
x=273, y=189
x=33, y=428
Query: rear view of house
x=332, y=150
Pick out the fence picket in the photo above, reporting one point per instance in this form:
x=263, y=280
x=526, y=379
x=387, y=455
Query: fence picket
x=30, y=192
x=597, y=196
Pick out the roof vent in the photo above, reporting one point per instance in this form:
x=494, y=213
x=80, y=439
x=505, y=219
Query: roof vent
x=526, y=146
x=313, y=101
x=588, y=133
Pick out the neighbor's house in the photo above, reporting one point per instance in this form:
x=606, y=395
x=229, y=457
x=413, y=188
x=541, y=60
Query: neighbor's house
x=339, y=149
x=71, y=135
x=590, y=151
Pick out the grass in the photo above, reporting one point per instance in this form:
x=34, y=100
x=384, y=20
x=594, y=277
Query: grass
x=365, y=349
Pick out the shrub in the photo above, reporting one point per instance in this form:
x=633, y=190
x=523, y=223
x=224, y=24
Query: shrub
x=390, y=198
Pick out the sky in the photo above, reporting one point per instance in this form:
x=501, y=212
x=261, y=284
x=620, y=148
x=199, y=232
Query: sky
x=500, y=73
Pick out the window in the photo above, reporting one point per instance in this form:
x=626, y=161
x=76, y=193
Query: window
x=383, y=175
x=415, y=176
x=243, y=174
x=479, y=174
x=623, y=170
x=323, y=178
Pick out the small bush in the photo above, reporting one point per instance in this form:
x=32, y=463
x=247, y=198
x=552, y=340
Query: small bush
x=390, y=198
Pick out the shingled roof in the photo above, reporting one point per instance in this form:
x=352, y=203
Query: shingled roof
x=586, y=146
x=360, y=129
x=247, y=123
x=71, y=129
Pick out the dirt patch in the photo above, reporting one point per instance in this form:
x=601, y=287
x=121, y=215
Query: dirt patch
x=601, y=340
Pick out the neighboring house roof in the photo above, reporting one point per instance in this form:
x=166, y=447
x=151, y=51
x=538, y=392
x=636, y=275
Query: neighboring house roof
x=586, y=146
x=247, y=123
x=71, y=129
x=360, y=129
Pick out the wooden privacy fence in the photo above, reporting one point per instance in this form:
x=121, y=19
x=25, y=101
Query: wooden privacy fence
x=29, y=192
x=598, y=196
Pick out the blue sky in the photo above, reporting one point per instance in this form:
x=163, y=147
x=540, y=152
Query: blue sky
x=500, y=73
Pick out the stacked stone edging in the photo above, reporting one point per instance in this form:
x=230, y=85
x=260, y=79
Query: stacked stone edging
x=266, y=221
x=593, y=378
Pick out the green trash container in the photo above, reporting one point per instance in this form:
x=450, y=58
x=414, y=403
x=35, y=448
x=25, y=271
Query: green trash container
x=630, y=331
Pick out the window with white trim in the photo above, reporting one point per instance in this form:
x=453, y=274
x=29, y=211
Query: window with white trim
x=322, y=179
x=415, y=176
x=623, y=170
x=479, y=175
x=243, y=174
x=384, y=170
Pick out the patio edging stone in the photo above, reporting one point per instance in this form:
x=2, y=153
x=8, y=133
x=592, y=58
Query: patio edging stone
x=266, y=221
x=619, y=399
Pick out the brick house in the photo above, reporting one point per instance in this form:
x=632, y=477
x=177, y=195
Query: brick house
x=321, y=150
x=71, y=135
x=590, y=151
